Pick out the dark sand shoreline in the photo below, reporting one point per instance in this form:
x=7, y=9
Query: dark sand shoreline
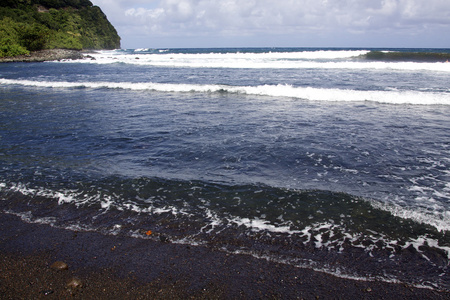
x=45, y=55
x=115, y=267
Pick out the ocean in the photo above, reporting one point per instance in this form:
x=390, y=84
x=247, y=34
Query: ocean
x=332, y=159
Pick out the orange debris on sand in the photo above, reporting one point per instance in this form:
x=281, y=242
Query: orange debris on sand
x=149, y=232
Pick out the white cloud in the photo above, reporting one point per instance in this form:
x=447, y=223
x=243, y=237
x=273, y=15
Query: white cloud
x=233, y=18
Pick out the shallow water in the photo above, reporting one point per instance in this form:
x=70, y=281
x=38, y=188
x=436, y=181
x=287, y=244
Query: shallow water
x=311, y=158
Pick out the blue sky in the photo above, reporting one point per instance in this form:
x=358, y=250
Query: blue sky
x=281, y=23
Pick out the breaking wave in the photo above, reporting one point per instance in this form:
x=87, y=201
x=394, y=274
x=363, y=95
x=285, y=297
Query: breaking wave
x=304, y=93
x=300, y=227
x=348, y=59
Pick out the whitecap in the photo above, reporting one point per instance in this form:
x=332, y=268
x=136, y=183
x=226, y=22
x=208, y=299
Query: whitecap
x=269, y=60
x=280, y=90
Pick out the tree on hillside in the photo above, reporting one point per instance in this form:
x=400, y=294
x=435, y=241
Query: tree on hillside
x=9, y=35
x=33, y=37
x=67, y=24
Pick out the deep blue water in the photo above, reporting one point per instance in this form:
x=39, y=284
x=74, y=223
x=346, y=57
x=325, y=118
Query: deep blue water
x=311, y=157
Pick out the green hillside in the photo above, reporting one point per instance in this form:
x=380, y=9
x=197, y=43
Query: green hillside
x=31, y=25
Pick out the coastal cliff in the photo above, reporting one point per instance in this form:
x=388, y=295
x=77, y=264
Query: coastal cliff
x=33, y=25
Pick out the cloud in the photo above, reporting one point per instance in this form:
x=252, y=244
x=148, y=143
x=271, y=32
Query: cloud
x=233, y=18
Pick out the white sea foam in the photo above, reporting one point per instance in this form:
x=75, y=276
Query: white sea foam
x=268, y=60
x=296, y=262
x=306, y=93
x=27, y=217
x=299, y=55
x=63, y=196
x=324, y=268
x=439, y=219
x=425, y=240
x=262, y=225
x=141, y=49
x=323, y=235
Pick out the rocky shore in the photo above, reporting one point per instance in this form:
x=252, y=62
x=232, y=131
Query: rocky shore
x=45, y=55
x=38, y=261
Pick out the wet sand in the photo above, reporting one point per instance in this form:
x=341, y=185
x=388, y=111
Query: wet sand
x=116, y=267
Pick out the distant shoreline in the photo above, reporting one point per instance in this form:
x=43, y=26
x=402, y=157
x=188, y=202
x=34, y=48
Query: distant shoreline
x=45, y=55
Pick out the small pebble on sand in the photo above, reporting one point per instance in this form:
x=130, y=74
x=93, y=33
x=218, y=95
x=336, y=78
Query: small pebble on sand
x=59, y=265
x=74, y=284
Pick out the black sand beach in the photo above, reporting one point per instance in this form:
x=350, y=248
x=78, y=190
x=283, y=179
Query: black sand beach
x=114, y=267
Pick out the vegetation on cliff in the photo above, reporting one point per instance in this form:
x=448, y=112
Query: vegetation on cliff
x=31, y=25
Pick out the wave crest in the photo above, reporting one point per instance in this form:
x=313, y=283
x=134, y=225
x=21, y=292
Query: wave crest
x=323, y=59
x=289, y=91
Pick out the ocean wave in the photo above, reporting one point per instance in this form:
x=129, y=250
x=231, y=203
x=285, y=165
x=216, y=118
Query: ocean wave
x=235, y=54
x=406, y=56
x=289, y=91
x=358, y=60
x=297, y=212
x=439, y=219
x=304, y=228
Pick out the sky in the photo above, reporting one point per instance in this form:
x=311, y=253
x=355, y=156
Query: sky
x=279, y=23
